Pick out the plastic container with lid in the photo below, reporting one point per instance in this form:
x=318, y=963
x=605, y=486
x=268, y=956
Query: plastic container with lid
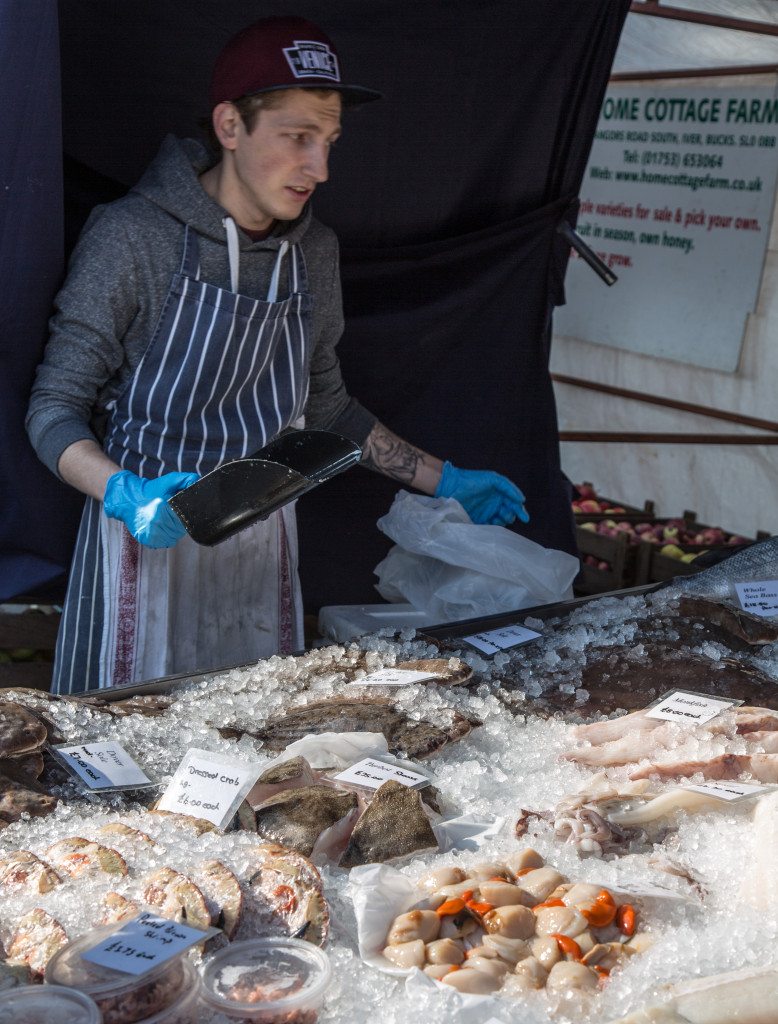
x=267, y=981
x=122, y=998
x=185, y=1009
x=34, y=1004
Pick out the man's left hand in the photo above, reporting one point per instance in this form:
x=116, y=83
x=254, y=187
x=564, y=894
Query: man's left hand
x=487, y=497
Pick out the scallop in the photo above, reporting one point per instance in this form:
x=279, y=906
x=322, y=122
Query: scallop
x=533, y=970
x=490, y=869
x=503, y=894
x=527, y=858
x=560, y=921
x=457, y=888
x=561, y=891
x=416, y=924
x=510, y=950
x=457, y=926
x=586, y=941
x=445, y=951
x=489, y=965
x=406, y=954
x=582, y=894
x=469, y=980
x=604, y=954
x=541, y=882
x=487, y=951
x=546, y=950
x=449, y=875
x=438, y=971
x=639, y=943
x=568, y=974
x=513, y=922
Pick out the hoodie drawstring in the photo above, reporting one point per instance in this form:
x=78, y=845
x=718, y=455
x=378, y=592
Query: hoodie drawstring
x=272, y=292
x=233, y=251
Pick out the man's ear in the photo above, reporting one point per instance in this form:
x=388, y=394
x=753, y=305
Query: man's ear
x=225, y=119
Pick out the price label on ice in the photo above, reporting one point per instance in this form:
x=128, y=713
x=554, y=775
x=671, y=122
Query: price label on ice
x=690, y=707
x=145, y=942
x=394, y=677
x=504, y=639
x=730, y=790
x=103, y=766
x=759, y=598
x=373, y=773
x=208, y=786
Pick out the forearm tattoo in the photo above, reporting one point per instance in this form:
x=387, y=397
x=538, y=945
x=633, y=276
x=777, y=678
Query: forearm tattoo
x=389, y=454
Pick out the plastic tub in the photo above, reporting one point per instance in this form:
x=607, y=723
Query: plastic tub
x=51, y=1004
x=122, y=998
x=267, y=981
x=185, y=1009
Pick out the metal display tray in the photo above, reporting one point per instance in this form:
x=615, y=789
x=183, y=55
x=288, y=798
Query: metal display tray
x=447, y=630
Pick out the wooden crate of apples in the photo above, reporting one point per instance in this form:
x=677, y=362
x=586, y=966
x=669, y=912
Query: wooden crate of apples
x=623, y=546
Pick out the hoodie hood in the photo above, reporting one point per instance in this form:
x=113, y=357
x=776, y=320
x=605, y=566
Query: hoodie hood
x=171, y=182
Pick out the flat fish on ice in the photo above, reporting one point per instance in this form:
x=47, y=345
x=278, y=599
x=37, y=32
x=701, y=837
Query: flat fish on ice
x=20, y=730
x=413, y=739
x=297, y=817
x=394, y=825
x=754, y=629
x=291, y=774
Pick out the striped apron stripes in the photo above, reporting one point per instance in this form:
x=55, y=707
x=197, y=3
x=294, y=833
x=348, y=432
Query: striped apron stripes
x=223, y=374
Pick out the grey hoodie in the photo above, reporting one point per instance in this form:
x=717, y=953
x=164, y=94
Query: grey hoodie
x=119, y=274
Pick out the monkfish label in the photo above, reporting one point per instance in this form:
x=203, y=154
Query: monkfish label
x=206, y=785
x=372, y=773
x=394, y=677
x=759, y=597
x=503, y=639
x=689, y=707
x=731, y=790
x=145, y=942
x=102, y=766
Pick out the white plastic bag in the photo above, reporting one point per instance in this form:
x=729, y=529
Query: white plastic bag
x=449, y=568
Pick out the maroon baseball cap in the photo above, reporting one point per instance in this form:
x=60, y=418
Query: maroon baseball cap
x=280, y=53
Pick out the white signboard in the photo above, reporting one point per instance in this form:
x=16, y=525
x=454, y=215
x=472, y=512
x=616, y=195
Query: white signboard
x=207, y=785
x=759, y=598
x=677, y=199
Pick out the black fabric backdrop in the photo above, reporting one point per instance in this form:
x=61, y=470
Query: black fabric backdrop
x=445, y=195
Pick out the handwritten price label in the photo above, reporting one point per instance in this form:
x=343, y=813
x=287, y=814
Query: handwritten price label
x=759, y=598
x=504, y=639
x=103, y=766
x=372, y=773
x=208, y=786
x=691, y=708
x=145, y=942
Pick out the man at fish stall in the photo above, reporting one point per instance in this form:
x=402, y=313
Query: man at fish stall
x=199, y=318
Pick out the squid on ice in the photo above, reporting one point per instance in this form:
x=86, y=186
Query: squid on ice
x=748, y=996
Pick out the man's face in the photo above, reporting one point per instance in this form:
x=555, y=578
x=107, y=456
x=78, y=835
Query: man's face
x=278, y=165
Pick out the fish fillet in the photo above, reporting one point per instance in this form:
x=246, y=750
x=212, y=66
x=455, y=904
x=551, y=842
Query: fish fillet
x=763, y=767
x=760, y=880
x=615, y=728
x=748, y=996
x=630, y=748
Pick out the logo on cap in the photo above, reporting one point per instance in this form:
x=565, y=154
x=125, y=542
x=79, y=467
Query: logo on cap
x=309, y=59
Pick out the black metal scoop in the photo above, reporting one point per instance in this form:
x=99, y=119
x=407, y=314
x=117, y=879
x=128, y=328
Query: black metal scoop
x=239, y=493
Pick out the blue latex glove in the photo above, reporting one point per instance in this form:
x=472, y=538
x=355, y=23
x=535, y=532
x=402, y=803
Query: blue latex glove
x=487, y=497
x=142, y=506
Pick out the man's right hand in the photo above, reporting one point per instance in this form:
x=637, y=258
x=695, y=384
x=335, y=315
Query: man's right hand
x=142, y=506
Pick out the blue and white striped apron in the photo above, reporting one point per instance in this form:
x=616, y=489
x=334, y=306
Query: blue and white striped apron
x=224, y=374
